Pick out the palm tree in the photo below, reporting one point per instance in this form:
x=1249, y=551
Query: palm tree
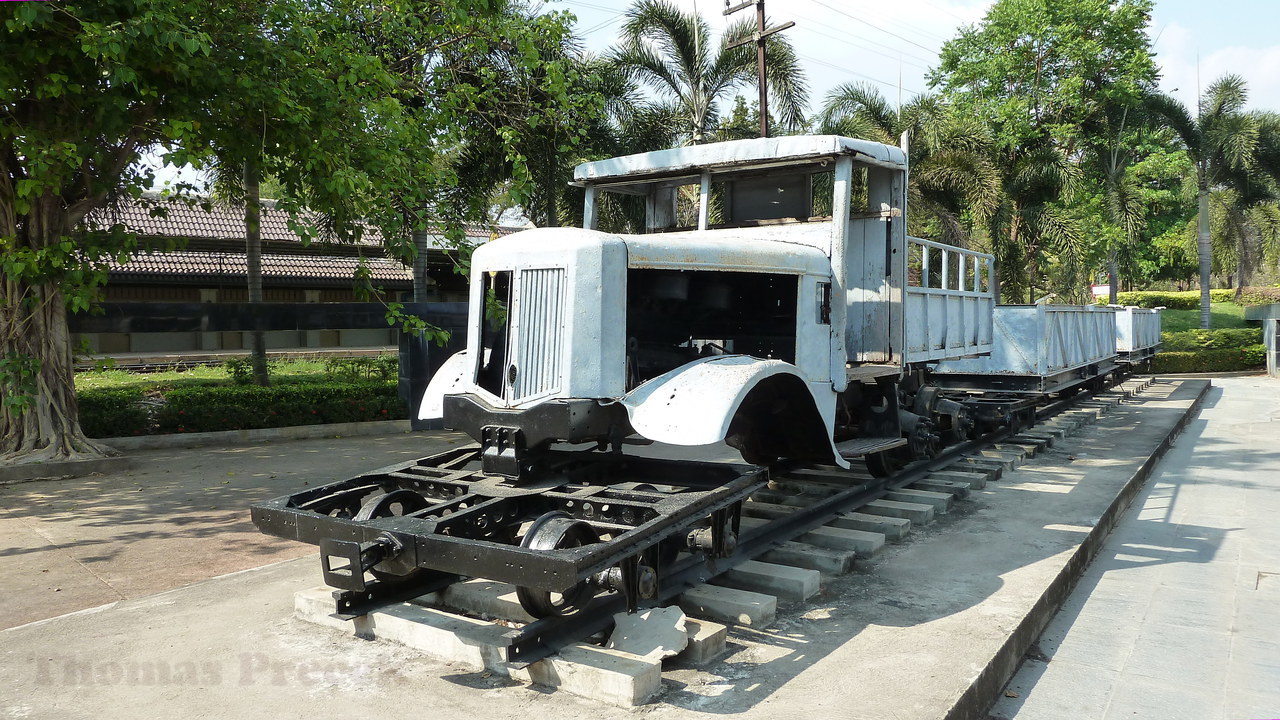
x=961, y=180
x=1244, y=229
x=1250, y=202
x=670, y=51
x=1031, y=229
x=1108, y=158
x=952, y=181
x=1221, y=139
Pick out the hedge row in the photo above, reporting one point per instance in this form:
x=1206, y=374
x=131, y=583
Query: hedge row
x=115, y=413
x=103, y=411
x=1190, y=299
x=1259, y=296
x=1187, y=300
x=1222, y=360
x=1223, y=339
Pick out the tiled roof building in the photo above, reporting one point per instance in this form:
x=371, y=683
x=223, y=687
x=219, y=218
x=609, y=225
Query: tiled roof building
x=209, y=264
x=213, y=250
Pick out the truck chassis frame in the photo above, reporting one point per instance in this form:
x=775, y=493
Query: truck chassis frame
x=420, y=526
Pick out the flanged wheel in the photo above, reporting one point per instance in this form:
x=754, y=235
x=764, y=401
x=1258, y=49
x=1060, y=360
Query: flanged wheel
x=557, y=531
x=392, y=504
x=396, y=503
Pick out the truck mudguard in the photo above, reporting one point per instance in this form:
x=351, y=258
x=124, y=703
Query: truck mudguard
x=450, y=379
x=699, y=403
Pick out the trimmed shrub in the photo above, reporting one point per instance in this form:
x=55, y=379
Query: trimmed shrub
x=244, y=407
x=1195, y=340
x=119, y=412
x=1190, y=299
x=383, y=368
x=1259, y=296
x=1154, y=298
x=113, y=412
x=1224, y=360
x=1181, y=300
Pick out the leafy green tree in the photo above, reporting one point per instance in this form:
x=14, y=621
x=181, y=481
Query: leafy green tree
x=1110, y=148
x=373, y=103
x=1040, y=73
x=1160, y=174
x=85, y=89
x=672, y=52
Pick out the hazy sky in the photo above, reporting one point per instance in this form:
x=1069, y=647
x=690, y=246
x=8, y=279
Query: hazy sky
x=879, y=42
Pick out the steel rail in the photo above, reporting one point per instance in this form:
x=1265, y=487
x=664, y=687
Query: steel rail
x=544, y=637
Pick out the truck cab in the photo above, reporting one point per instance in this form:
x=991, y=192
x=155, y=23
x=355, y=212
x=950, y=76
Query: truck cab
x=765, y=304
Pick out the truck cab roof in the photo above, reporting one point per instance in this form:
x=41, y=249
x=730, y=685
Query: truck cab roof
x=688, y=163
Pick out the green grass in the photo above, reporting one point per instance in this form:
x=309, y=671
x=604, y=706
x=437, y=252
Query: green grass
x=294, y=371
x=1221, y=315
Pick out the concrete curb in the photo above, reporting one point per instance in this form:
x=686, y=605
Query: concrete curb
x=238, y=437
x=987, y=686
x=11, y=474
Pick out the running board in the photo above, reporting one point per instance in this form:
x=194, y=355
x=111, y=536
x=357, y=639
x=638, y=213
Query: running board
x=857, y=447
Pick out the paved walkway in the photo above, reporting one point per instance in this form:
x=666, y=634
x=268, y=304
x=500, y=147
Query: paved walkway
x=179, y=516
x=1179, y=615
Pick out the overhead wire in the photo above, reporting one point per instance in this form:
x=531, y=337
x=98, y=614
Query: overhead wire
x=900, y=57
x=855, y=73
x=602, y=25
x=890, y=33
x=613, y=18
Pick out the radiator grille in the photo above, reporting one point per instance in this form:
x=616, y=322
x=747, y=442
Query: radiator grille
x=539, y=333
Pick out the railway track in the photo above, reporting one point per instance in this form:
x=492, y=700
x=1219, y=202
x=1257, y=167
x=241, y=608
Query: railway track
x=809, y=522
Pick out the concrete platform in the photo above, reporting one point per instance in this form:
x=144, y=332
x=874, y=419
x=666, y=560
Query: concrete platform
x=930, y=630
x=1178, y=614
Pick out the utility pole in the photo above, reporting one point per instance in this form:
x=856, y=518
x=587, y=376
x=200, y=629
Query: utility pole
x=758, y=37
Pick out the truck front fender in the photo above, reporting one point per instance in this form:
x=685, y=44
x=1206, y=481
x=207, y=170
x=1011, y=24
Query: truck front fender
x=765, y=408
x=450, y=379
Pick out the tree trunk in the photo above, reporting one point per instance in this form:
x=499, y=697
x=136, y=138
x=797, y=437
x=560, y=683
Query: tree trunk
x=1113, y=279
x=552, y=207
x=39, y=418
x=253, y=252
x=1205, y=251
x=1243, y=263
x=421, y=239
x=1013, y=243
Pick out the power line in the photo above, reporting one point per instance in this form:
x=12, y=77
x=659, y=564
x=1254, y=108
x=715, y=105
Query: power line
x=602, y=25
x=613, y=18
x=898, y=52
x=605, y=8
x=855, y=73
x=875, y=27
x=920, y=30
x=900, y=57
x=942, y=9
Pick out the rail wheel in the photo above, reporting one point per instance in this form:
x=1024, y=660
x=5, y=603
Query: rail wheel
x=396, y=503
x=557, y=531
